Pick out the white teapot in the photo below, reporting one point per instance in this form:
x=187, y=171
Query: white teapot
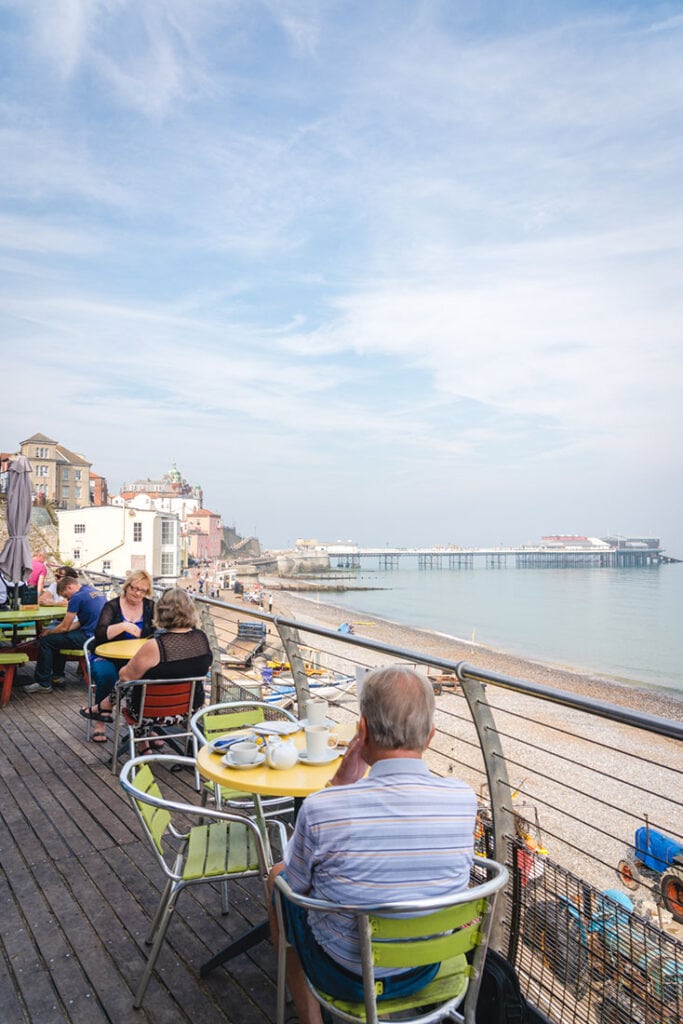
x=281, y=753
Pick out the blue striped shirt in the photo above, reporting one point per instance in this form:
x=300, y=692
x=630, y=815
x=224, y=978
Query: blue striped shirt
x=401, y=833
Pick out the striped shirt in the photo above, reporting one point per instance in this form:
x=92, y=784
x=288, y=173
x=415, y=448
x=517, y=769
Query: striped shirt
x=401, y=833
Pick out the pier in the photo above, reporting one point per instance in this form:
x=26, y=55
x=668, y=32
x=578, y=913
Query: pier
x=622, y=552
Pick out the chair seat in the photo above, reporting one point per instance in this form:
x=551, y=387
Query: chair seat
x=450, y=983
x=219, y=849
x=12, y=658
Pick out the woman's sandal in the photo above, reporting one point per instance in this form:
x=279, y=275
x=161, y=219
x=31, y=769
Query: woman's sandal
x=98, y=737
x=96, y=714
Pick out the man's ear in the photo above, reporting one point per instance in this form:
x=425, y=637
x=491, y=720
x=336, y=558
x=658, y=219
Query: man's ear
x=431, y=736
x=362, y=730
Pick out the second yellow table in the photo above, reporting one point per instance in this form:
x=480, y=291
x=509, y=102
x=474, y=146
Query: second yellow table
x=120, y=650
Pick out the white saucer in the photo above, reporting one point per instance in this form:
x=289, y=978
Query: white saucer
x=327, y=722
x=331, y=756
x=229, y=763
x=281, y=728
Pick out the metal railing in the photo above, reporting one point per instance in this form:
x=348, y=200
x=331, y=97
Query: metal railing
x=563, y=782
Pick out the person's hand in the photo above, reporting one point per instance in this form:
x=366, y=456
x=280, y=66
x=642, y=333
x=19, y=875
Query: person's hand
x=352, y=767
x=133, y=629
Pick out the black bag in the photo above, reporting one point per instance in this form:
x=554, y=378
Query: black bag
x=500, y=997
x=28, y=595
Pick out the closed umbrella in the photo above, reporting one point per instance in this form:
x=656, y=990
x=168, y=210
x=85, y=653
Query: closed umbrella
x=15, y=557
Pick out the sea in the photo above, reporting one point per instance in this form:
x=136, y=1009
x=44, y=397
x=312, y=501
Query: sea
x=622, y=624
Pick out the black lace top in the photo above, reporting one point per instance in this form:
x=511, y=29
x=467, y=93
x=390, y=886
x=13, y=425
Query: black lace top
x=183, y=655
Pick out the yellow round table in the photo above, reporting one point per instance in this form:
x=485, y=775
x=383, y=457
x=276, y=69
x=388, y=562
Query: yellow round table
x=120, y=650
x=299, y=781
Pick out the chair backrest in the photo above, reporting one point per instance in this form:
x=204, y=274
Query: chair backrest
x=400, y=936
x=218, y=719
x=154, y=818
x=163, y=698
x=88, y=649
x=402, y=942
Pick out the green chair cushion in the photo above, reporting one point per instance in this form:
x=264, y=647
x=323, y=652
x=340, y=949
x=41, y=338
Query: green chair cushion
x=13, y=659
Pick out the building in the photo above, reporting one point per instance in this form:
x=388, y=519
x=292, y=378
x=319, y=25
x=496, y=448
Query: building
x=170, y=486
x=99, y=494
x=114, y=540
x=60, y=476
x=204, y=535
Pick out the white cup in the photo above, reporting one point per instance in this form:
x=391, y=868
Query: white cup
x=319, y=742
x=316, y=712
x=244, y=753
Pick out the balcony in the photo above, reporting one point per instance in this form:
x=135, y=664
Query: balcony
x=563, y=784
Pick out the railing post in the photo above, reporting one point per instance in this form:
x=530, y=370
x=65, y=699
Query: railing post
x=206, y=619
x=499, y=791
x=291, y=641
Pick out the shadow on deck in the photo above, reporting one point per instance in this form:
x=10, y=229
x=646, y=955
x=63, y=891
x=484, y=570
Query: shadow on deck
x=79, y=887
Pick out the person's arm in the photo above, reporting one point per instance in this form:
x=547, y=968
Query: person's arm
x=40, y=583
x=64, y=626
x=146, y=658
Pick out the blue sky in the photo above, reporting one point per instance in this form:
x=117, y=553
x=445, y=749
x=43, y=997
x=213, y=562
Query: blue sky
x=403, y=272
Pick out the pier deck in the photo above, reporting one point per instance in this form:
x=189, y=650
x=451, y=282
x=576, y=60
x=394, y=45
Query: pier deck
x=79, y=886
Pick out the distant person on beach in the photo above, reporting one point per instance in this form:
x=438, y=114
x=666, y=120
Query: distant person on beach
x=400, y=831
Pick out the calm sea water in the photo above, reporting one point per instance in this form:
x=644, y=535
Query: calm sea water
x=621, y=623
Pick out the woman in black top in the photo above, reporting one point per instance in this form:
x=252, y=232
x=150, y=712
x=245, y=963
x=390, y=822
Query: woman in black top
x=180, y=650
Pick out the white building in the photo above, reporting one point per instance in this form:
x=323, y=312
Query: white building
x=115, y=540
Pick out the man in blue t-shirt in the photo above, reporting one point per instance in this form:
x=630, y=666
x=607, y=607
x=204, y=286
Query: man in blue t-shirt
x=83, y=611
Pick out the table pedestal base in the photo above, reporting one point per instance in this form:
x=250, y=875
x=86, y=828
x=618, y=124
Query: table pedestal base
x=250, y=939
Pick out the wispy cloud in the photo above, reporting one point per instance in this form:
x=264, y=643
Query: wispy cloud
x=349, y=243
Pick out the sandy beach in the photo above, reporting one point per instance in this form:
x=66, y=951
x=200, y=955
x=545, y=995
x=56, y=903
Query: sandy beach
x=666, y=704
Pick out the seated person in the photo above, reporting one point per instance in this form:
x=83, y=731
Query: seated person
x=177, y=651
x=49, y=595
x=400, y=833
x=82, y=614
x=127, y=617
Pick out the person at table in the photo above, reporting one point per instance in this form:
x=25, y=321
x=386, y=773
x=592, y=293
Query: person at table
x=84, y=605
x=179, y=650
x=400, y=833
x=127, y=617
x=38, y=572
x=49, y=593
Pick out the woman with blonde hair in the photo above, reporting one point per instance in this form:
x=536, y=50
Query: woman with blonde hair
x=127, y=617
x=178, y=650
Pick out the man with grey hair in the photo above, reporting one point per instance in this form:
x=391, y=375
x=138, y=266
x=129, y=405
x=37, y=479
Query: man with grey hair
x=395, y=833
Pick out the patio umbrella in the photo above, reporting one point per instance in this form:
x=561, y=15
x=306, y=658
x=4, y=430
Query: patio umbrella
x=15, y=557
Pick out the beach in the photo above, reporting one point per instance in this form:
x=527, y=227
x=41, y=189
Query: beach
x=665, y=704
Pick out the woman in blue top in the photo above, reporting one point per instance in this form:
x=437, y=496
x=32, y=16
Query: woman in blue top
x=127, y=617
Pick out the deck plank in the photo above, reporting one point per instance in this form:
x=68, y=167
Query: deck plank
x=79, y=884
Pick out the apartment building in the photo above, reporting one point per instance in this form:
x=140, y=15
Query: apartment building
x=114, y=540
x=59, y=475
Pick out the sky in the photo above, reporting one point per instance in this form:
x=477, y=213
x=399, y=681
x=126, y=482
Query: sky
x=391, y=271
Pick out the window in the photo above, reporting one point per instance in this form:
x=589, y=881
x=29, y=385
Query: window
x=41, y=470
x=42, y=453
x=137, y=531
x=65, y=473
x=167, y=531
x=167, y=563
x=77, y=492
x=79, y=527
x=77, y=554
x=77, y=474
x=106, y=566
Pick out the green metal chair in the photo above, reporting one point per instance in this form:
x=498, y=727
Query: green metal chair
x=429, y=931
x=217, y=720
x=220, y=847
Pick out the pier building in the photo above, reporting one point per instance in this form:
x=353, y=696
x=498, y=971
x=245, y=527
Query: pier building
x=559, y=551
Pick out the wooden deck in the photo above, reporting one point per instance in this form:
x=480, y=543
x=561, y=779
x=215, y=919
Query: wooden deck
x=80, y=884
